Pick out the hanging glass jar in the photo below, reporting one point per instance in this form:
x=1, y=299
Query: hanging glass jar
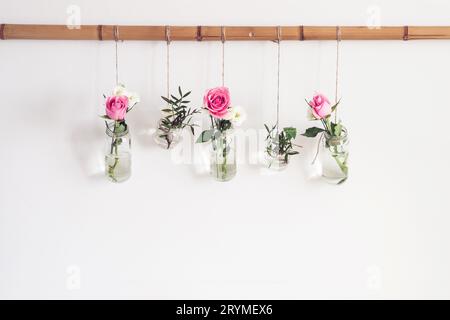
x=167, y=137
x=279, y=147
x=223, y=155
x=333, y=157
x=117, y=152
x=276, y=161
x=274, y=157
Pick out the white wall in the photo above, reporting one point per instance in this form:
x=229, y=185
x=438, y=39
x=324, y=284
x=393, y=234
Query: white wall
x=172, y=232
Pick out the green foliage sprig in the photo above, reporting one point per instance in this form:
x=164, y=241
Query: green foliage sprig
x=218, y=126
x=179, y=115
x=280, y=142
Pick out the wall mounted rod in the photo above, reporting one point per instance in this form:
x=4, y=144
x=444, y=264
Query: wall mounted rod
x=211, y=33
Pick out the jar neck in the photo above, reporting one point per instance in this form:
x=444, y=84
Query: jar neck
x=333, y=140
x=227, y=132
x=117, y=129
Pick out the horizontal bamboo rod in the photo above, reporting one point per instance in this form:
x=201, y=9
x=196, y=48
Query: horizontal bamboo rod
x=226, y=33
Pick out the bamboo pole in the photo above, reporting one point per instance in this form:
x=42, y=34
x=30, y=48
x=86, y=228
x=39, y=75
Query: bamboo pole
x=213, y=33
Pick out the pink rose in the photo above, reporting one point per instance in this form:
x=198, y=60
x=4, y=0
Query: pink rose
x=320, y=106
x=116, y=107
x=217, y=101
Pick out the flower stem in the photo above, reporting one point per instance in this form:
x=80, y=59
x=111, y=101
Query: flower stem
x=114, y=152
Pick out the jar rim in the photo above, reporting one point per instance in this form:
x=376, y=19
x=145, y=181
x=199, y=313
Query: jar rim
x=343, y=136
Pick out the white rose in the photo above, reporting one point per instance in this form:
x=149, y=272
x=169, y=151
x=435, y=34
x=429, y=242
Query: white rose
x=133, y=98
x=236, y=115
x=120, y=90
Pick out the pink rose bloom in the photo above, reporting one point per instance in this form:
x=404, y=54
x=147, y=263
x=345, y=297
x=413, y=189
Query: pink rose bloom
x=320, y=106
x=217, y=101
x=116, y=107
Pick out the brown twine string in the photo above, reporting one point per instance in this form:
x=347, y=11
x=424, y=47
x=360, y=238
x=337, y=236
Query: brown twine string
x=338, y=40
x=116, y=40
x=278, y=74
x=222, y=38
x=168, y=40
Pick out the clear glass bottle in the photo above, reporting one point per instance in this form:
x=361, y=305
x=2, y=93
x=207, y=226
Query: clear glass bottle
x=167, y=138
x=333, y=157
x=117, y=153
x=223, y=156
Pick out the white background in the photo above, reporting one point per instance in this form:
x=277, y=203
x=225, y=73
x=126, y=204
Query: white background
x=173, y=232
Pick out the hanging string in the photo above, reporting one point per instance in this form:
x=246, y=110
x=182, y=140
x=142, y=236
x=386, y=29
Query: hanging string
x=222, y=36
x=278, y=75
x=116, y=39
x=338, y=40
x=168, y=60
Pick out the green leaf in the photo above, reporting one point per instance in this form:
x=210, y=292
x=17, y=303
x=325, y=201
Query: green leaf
x=267, y=128
x=205, y=136
x=166, y=110
x=122, y=127
x=175, y=98
x=335, y=106
x=105, y=117
x=167, y=100
x=336, y=129
x=290, y=132
x=312, y=132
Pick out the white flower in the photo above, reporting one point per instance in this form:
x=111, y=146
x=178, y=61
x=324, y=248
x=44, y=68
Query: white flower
x=309, y=115
x=236, y=115
x=133, y=97
x=119, y=90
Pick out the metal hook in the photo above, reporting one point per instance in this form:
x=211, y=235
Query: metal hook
x=168, y=40
x=278, y=34
x=100, y=32
x=199, y=33
x=116, y=33
x=405, y=33
x=222, y=34
x=302, y=33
